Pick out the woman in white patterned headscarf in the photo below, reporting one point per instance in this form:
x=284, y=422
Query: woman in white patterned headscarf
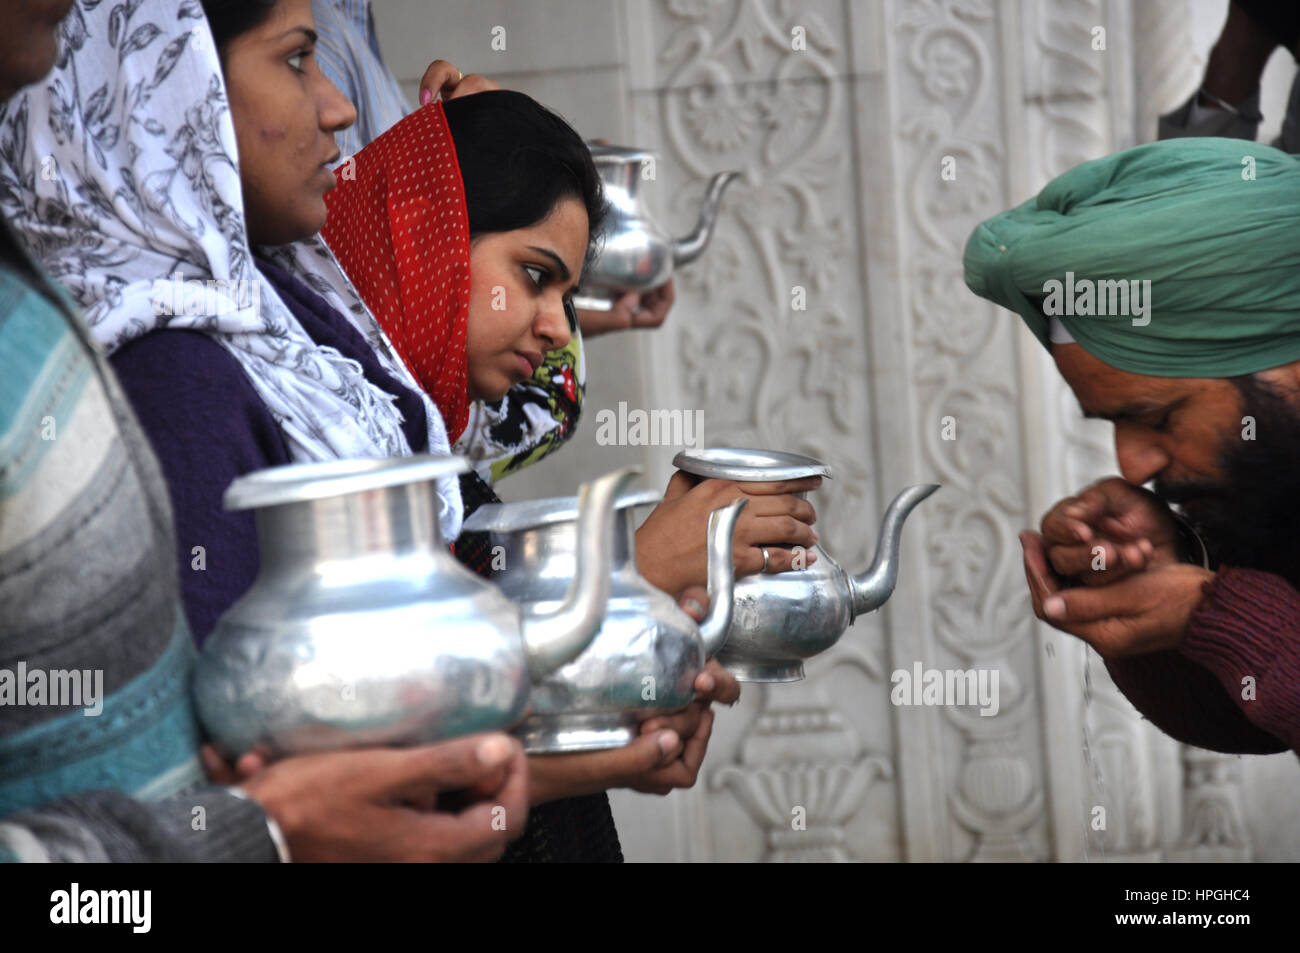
x=121, y=171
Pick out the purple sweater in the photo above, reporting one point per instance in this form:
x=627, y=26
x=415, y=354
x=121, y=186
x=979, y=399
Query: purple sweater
x=208, y=426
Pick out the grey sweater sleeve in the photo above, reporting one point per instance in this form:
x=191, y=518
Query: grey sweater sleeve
x=208, y=824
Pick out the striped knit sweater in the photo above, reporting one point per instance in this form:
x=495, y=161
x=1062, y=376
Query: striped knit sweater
x=98, y=739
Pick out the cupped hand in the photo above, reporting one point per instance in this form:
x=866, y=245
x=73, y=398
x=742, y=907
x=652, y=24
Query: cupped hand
x=1142, y=612
x=1110, y=530
x=576, y=774
x=716, y=684
x=684, y=770
x=665, y=756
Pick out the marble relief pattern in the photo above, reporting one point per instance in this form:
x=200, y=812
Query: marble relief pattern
x=735, y=93
x=729, y=91
x=946, y=86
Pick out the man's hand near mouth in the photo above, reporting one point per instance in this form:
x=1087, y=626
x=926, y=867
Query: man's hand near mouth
x=1145, y=611
x=1106, y=568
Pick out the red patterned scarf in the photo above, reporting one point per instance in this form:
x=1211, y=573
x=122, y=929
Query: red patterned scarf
x=398, y=226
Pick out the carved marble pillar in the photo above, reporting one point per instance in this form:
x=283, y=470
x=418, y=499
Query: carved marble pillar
x=947, y=65
x=1213, y=828
x=770, y=344
x=844, y=116
x=1166, y=72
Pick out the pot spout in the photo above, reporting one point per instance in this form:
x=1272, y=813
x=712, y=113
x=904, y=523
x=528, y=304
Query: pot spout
x=722, y=576
x=554, y=638
x=686, y=250
x=872, y=588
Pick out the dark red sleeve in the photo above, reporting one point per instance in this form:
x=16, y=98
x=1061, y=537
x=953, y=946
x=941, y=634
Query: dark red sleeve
x=207, y=426
x=1248, y=625
x=1247, y=633
x=1187, y=703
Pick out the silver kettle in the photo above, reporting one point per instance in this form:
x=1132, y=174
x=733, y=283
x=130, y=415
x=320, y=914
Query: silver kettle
x=635, y=253
x=362, y=629
x=645, y=659
x=783, y=618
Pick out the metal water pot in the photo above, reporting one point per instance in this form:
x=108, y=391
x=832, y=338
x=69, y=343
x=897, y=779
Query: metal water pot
x=635, y=253
x=783, y=618
x=645, y=659
x=362, y=629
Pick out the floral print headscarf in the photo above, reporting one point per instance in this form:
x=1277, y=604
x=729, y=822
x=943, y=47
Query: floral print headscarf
x=119, y=171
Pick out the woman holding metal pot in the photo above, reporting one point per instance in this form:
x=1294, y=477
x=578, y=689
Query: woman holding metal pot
x=465, y=229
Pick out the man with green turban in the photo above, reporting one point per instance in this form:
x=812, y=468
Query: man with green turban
x=1165, y=283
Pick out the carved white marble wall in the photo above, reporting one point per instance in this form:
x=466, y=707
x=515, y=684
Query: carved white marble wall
x=843, y=114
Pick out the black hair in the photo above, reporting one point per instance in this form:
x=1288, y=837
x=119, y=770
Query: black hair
x=229, y=18
x=518, y=159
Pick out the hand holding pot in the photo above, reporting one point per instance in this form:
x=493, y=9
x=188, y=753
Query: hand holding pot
x=715, y=683
x=669, y=751
x=632, y=310
x=382, y=805
x=655, y=763
x=683, y=771
x=671, y=545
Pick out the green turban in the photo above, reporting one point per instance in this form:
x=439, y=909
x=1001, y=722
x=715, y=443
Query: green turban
x=1174, y=259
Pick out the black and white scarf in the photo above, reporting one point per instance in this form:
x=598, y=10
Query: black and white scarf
x=120, y=173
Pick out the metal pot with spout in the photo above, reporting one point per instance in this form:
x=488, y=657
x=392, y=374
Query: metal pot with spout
x=783, y=618
x=645, y=659
x=635, y=253
x=362, y=629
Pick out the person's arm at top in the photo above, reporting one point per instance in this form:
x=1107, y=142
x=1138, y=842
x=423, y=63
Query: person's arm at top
x=1227, y=102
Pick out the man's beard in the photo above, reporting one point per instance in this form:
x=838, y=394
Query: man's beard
x=1251, y=519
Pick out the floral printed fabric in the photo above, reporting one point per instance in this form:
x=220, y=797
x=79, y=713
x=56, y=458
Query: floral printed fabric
x=533, y=420
x=536, y=416
x=119, y=172
x=399, y=227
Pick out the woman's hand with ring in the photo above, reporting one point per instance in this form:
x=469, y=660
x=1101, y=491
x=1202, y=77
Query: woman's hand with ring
x=672, y=544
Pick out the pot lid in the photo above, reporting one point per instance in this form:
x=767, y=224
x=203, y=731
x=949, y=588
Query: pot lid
x=603, y=152
x=752, y=466
x=298, y=482
x=530, y=514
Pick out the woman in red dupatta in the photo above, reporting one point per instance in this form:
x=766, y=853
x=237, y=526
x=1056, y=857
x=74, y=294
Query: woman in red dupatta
x=465, y=228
